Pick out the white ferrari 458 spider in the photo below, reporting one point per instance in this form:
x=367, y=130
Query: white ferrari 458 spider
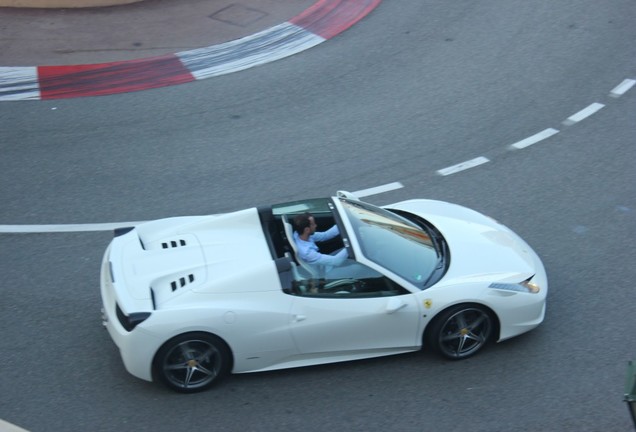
x=188, y=300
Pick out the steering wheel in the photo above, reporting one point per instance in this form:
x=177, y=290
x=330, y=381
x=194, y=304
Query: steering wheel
x=340, y=282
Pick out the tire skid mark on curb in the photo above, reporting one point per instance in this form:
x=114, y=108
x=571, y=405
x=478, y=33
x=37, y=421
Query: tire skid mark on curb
x=320, y=22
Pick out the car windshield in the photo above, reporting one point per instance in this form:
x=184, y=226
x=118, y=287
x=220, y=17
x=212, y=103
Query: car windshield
x=393, y=242
x=313, y=206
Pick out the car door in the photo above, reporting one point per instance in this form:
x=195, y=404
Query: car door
x=350, y=315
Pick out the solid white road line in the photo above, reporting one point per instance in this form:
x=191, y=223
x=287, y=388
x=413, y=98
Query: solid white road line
x=378, y=189
x=8, y=427
x=622, y=88
x=31, y=229
x=27, y=229
x=534, y=139
x=583, y=114
x=463, y=166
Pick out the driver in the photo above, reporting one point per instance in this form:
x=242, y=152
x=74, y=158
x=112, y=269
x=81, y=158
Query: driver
x=306, y=237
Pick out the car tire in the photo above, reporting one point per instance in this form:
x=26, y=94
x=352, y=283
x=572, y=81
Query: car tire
x=461, y=331
x=192, y=362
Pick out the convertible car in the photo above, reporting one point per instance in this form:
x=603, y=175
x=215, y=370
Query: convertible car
x=188, y=300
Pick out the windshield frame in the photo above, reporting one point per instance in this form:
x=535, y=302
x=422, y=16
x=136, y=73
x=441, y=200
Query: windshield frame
x=406, y=235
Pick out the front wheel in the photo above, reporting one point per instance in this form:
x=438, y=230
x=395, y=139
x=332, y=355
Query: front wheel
x=192, y=362
x=461, y=331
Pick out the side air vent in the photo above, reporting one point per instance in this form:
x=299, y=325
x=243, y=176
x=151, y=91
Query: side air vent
x=173, y=244
x=183, y=281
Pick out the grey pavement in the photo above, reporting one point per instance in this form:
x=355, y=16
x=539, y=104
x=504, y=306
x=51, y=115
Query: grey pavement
x=38, y=37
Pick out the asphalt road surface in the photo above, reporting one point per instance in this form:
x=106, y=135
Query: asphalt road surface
x=518, y=92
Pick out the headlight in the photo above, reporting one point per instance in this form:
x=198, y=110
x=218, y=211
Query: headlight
x=526, y=286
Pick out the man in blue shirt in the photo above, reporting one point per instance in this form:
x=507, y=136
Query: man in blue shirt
x=334, y=266
x=306, y=237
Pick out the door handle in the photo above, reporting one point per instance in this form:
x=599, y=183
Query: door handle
x=299, y=318
x=394, y=305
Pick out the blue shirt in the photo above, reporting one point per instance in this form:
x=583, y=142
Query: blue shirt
x=308, y=250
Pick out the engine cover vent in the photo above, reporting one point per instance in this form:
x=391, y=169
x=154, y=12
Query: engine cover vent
x=173, y=244
x=181, y=282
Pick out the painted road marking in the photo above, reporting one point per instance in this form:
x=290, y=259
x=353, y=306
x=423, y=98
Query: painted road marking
x=31, y=229
x=545, y=134
x=622, y=88
x=378, y=190
x=27, y=229
x=617, y=91
x=583, y=114
x=8, y=427
x=463, y=166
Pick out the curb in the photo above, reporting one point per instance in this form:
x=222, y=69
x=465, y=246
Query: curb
x=320, y=22
x=55, y=4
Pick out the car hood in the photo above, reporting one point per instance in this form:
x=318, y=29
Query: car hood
x=168, y=258
x=480, y=247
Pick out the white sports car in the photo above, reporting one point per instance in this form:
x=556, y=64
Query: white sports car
x=190, y=299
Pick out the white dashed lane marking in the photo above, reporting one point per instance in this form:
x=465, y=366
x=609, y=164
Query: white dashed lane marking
x=31, y=229
x=534, y=139
x=616, y=92
x=622, y=88
x=583, y=114
x=463, y=166
x=378, y=189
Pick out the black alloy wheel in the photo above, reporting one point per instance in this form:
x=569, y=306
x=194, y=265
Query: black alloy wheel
x=461, y=331
x=192, y=362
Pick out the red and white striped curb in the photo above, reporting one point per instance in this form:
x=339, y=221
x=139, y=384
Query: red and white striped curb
x=320, y=22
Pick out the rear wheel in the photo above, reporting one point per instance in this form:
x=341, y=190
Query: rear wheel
x=192, y=362
x=461, y=331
